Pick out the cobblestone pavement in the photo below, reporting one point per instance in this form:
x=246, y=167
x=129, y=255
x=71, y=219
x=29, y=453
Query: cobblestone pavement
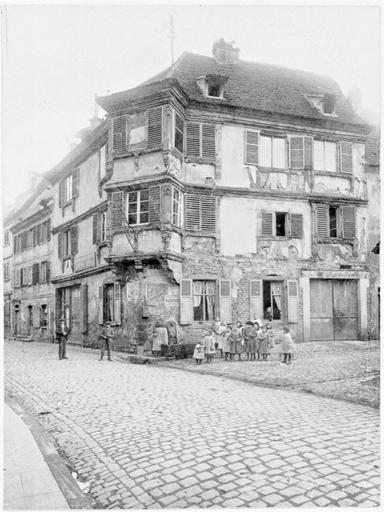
x=153, y=437
x=345, y=370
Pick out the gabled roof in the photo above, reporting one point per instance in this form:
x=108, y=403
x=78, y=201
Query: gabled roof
x=261, y=87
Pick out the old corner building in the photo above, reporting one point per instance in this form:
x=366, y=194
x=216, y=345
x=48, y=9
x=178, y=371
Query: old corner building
x=217, y=189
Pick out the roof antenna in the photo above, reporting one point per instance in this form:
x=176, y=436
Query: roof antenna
x=172, y=36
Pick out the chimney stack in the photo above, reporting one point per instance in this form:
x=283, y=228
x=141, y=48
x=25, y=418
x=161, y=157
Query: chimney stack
x=225, y=53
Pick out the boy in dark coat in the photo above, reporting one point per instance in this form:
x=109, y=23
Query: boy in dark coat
x=106, y=339
x=62, y=335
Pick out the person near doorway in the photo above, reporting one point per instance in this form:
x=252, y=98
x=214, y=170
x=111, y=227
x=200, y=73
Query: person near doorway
x=250, y=338
x=218, y=335
x=173, y=334
x=160, y=336
x=286, y=345
x=209, y=345
x=106, y=340
x=62, y=332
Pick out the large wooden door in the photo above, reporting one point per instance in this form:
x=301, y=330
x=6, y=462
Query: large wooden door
x=334, y=309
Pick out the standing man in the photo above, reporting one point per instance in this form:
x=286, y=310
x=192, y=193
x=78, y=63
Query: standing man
x=62, y=336
x=106, y=339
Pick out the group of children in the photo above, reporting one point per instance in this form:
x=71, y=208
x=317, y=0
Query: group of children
x=253, y=339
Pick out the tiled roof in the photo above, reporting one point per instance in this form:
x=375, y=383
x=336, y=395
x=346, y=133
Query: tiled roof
x=261, y=87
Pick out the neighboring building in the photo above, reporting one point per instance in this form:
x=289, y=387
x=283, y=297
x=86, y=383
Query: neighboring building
x=236, y=187
x=7, y=279
x=372, y=169
x=32, y=304
x=79, y=233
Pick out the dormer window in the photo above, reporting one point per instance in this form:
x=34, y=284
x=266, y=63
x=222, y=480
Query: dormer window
x=323, y=103
x=212, y=86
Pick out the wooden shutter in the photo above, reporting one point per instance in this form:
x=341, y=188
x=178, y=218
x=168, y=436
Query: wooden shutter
x=192, y=212
x=95, y=228
x=208, y=214
x=30, y=275
x=84, y=308
x=209, y=141
x=75, y=182
x=296, y=152
x=292, y=292
x=35, y=273
x=48, y=223
x=193, y=139
x=266, y=223
x=48, y=275
x=60, y=245
x=117, y=210
x=61, y=193
x=155, y=117
x=100, y=310
x=345, y=156
x=348, y=221
x=251, y=147
x=36, y=317
x=322, y=220
x=255, y=299
x=117, y=303
x=74, y=239
x=308, y=152
x=154, y=204
x=186, y=311
x=225, y=301
x=179, y=133
x=120, y=134
x=296, y=225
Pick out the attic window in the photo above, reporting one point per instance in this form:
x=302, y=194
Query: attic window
x=323, y=103
x=214, y=90
x=212, y=86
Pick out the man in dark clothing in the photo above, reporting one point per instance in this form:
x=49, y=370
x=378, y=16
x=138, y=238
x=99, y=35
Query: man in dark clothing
x=62, y=336
x=106, y=339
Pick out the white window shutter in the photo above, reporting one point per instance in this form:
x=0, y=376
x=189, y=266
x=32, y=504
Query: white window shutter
x=292, y=292
x=186, y=312
x=100, y=312
x=225, y=301
x=251, y=147
x=348, y=222
x=255, y=299
x=322, y=220
x=267, y=223
x=345, y=157
x=117, y=303
x=296, y=152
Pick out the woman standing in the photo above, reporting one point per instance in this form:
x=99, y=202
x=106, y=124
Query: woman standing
x=236, y=339
x=218, y=333
x=160, y=335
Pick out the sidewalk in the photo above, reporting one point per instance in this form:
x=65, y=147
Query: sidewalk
x=28, y=481
x=345, y=370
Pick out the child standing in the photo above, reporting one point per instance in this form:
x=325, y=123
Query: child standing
x=287, y=345
x=236, y=338
x=227, y=343
x=264, y=344
x=209, y=345
x=198, y=353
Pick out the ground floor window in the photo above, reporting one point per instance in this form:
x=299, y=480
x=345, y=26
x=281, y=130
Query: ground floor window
x=272, y=300
x=44, y=315
x=204, y=300
x=109, y=303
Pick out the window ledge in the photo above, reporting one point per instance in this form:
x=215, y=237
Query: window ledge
x=336, y=174
x=133, y=153
x=199, y=160
x=280, y=238
x=200, y=234
x=336, y=240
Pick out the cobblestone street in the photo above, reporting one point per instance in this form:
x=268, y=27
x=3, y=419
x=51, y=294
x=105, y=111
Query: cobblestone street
x=152, y=437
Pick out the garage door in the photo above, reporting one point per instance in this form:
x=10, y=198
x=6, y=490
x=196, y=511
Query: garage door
x=334, y=310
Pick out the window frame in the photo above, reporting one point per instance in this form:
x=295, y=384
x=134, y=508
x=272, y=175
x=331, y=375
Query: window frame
x=138, y=203
x=203, y=296
x=66, y=243
x=103, y=227
x=43, y=275
x=178, y=211
x=272, y=138
x=67, y=184
x=176, y=130
x=324, y=153
x=6, y=274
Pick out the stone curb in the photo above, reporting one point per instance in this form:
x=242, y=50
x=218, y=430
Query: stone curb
x=75, y=498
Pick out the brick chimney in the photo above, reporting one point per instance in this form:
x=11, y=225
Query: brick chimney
x=225, y=53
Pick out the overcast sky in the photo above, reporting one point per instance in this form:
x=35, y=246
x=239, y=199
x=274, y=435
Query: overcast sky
x=56, y=58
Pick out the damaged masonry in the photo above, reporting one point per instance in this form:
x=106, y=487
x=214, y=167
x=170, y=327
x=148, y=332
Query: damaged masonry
x=219, y=188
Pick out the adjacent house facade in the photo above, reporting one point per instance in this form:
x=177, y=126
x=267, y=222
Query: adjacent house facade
x=7, y=278
x=237, y=189
x=32, y=307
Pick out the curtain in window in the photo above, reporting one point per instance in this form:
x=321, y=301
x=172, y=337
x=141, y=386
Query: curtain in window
x=197, y=293
x=276, y=294
x=210, y=299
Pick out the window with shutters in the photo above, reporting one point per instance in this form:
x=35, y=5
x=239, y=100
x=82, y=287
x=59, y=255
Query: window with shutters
x=324, y=156
x=281, y=224
x=43, y=272
x=201, y=141
x=176, y=206
x=68, y=189
x=138, y=207
x=64, y=240
x=335, y=221
x=345, y=157
x=251, y=147
x=99, y=227
x=44, y=315
x=179, y=133
x=200, y=213
x=108, y=303
x=272, y=152
x=300, y=152
x=204, y=300
x=6, y=237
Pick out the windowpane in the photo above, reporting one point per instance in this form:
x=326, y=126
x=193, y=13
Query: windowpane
x=279, y=153
x=68, y=189
x=318, y=156
x=144, y=195
x=330, y=156
x=132, y=197
x=280, y=224
x=265, y=151
x=143, y=217
x=332, y=222
x=204, y=300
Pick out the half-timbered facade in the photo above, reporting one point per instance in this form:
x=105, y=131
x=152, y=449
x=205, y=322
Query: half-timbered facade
x=237, y=187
